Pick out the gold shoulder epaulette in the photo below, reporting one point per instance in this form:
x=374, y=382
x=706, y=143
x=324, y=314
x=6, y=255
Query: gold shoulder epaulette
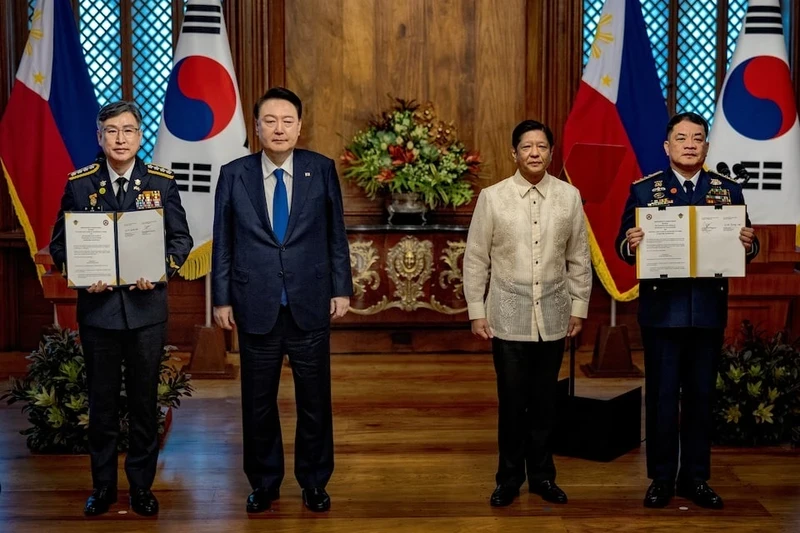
x=85, y=171
x=723, y=176
x=158, y=170
x=653, y=175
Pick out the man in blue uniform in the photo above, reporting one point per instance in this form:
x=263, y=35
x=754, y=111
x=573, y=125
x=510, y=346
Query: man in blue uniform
x=124, y=324
x=682, y=323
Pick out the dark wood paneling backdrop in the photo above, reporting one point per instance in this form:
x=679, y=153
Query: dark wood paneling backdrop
x=486, y=64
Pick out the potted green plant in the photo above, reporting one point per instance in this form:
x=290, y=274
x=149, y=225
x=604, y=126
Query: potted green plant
x=758, y=390
x=415, y=156
x=55, y=395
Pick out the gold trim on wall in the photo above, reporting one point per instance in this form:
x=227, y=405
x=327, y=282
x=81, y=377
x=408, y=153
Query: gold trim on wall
x=409, y=265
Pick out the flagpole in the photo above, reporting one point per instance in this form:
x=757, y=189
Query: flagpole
x=613, y=312
x=208, y=300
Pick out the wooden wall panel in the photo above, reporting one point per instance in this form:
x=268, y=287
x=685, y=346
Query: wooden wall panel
x=247, y=25
x=500, y=80
x=360, y=97
x=345, y=57
x=554, y=65
x=314, y=53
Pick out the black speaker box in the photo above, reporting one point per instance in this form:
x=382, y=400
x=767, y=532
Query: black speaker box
x=596, y=429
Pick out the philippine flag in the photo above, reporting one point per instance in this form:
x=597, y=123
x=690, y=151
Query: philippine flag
x=202, y=125
x=48, y=128
x=755, y=122
x=619, y=104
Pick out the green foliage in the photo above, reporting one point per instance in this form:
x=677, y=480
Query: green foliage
x=55, y=395
x=758, y=390
x=407, y=150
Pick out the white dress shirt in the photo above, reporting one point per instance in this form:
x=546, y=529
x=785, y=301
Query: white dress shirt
x=113, y=177
x=683, y=180
x=270, y=181
x=529, y=243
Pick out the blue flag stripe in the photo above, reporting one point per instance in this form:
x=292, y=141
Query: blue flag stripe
x=72, y=99
x=640, y=102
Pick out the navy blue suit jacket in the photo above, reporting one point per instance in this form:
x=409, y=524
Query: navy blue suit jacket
x=688, y=302
x=123, y=308
x=250, y=266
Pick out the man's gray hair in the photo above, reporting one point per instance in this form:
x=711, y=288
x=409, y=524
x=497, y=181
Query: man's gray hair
x=115, y=109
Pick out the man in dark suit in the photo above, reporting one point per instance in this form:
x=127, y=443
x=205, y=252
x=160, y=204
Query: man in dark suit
x=682, y=323
x=281, y=268
x=124, y=324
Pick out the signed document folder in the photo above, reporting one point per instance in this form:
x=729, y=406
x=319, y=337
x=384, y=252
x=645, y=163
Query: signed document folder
x=116, y=248
x=691, y=241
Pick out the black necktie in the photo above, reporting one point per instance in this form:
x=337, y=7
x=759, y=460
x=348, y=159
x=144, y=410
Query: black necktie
x=120, y=190
x=689, y=188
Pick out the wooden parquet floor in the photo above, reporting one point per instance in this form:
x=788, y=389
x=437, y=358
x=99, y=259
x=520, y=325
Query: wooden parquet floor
x=415, y=451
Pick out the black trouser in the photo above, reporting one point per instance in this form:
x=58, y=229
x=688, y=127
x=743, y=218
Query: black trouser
x=527, y=376
x=680, y=367
x=261, y=361
x=104, y=351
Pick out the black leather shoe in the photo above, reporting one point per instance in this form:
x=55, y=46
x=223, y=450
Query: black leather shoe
x=101, y=499
x=503, y=496
x=549, y=491
x=316, y=500
x=143, y=502
x=701, y=494
x=659, y=494
x=261, y=499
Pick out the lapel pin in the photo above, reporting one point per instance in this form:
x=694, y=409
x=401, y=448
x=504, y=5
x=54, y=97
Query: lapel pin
x=137, y=181
x=136, y=188
x=102, y=183
x=102, y=190
x=308, y=174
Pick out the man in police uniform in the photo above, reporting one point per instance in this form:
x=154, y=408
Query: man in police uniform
x=123, y=324
x=682, y=323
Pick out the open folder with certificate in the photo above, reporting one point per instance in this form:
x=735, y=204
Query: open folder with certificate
x=691, y=241
x=116, y=248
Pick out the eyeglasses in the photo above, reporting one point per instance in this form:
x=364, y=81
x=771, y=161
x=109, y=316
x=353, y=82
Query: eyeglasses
x=128, y=133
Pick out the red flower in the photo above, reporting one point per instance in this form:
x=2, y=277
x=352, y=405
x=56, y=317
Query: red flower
x=348, y=157
x=385, y=176
x=400, y=155
x=473, y=161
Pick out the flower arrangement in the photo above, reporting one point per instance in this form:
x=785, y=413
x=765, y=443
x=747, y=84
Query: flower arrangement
x=408, y=150
x=758, y=390
x=55, y=395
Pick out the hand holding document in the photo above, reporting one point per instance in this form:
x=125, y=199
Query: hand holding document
x=691, y=241
x=117, y=248
x=665, y=248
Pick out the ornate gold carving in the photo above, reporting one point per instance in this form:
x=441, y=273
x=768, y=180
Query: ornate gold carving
x=453, y=277
x=409, y=264
x=363, y=257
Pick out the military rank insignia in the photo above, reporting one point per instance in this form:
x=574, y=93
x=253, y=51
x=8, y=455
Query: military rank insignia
x=149, y=200
x=660, y=201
